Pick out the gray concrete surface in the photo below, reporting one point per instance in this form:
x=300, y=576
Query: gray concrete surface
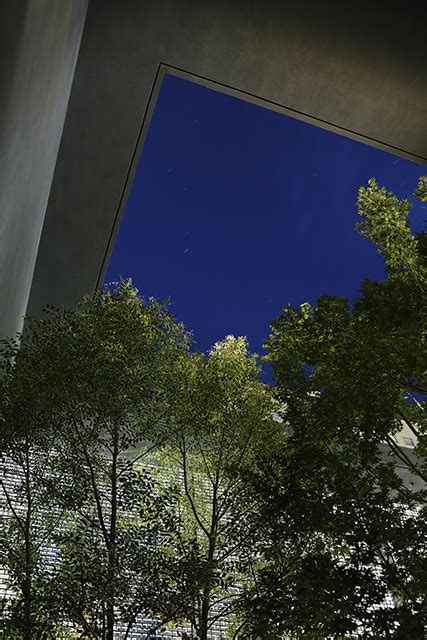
x=353, y=65
x=39, y=41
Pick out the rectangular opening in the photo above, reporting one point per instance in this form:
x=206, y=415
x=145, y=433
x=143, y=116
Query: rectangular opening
x=235, y=207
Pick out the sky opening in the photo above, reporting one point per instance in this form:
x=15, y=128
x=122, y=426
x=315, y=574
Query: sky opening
x=236, y=210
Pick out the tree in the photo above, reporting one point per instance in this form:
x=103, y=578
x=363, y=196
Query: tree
x=153, y=566
x=100, y=377
x=223, y=415
x=30, y=485
x=339, y=527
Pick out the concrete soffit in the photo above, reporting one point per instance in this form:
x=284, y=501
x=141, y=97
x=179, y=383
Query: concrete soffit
x=342, y=75
x=166, y=69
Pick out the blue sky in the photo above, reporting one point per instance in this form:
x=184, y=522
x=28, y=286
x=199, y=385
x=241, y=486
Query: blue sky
x=236, y=210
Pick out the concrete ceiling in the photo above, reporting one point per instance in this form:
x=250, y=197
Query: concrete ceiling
x=348, y=66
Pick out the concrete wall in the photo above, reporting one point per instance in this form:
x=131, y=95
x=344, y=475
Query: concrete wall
x=349, y=64
x=405, y=432
x=39, y=44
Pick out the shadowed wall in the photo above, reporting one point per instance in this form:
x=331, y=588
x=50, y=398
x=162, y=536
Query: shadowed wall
x=38, y=51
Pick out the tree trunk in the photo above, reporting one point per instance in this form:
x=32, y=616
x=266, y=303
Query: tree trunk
x=204, y=614
x=27, y=583
x=26, y=587
x=112, y=546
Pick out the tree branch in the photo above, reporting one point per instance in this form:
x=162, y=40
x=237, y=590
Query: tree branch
x=187, y=491
x=90, y=466
x=11, y=507
x=404, y=458
x=409, y=423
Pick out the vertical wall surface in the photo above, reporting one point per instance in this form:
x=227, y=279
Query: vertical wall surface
x=39, y=43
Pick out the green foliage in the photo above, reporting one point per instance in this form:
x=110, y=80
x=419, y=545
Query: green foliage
x=31, y=482
x=224, y=415
x=385, y=222
x=176, y=486
x=421, y=191
x=151, y=562
x=339, y=528
x=85, y=394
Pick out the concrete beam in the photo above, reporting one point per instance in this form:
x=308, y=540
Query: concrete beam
x=39, y=42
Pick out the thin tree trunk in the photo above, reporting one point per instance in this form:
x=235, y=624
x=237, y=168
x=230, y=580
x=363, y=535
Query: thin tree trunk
x=204, y=617
x=112, y=547
x=204, y=614
x=27, y=583
x=26, y=587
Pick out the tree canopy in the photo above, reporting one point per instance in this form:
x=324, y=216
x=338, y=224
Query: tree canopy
x=85, y=394
x=145, y=481
x=343, y=529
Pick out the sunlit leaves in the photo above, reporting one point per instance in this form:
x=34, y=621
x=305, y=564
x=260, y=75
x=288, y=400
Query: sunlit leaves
x=340, y=528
